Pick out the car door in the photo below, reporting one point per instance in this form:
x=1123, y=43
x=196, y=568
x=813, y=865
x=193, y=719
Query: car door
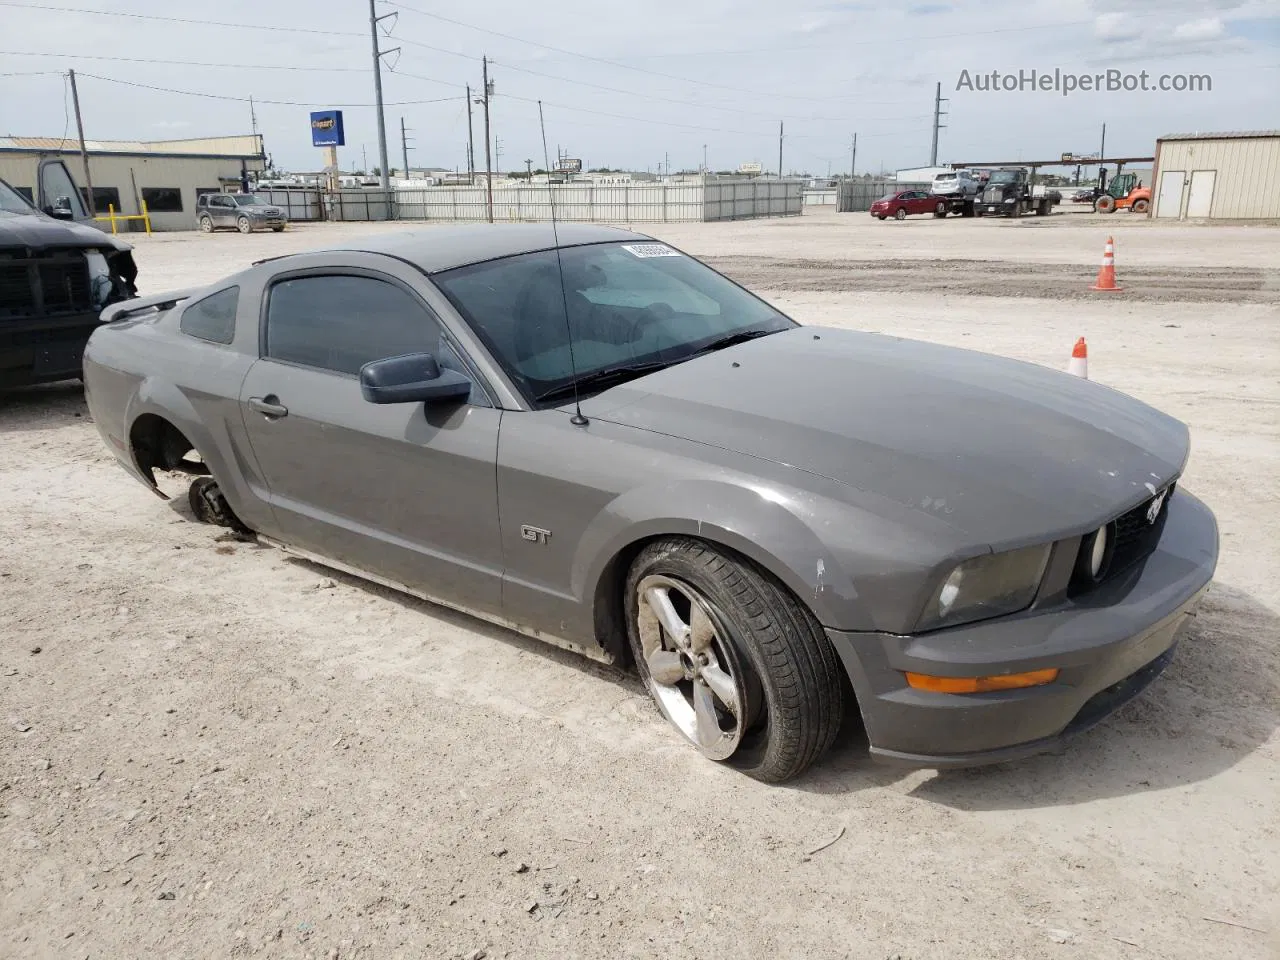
x=223, y=209
x=406, y=492
x=921, y=202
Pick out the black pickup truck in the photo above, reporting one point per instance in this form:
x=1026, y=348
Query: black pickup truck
x=56, y=276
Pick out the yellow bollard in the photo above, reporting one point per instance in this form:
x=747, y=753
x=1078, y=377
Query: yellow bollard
x=146, y=218
x=111, y=215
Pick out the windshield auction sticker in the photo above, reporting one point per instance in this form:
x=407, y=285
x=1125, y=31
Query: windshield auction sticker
x=649, y=250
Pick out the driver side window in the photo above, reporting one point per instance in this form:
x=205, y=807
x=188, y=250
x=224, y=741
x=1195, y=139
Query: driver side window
x=340, y=322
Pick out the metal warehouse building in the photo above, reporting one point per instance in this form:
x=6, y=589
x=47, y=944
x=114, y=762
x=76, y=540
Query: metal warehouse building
x=1218, y=175
x=167, y=174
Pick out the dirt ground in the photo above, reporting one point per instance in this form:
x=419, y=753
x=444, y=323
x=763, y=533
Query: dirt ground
x=210, y=750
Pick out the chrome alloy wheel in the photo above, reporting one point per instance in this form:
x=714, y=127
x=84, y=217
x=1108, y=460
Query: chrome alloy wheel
x=693, y=673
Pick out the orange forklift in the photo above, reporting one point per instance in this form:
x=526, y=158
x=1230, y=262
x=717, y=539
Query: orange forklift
x=1124, y=192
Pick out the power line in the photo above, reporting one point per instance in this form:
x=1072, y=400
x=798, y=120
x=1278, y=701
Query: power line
x=279, y=103
x=602, y=60
x=177, y=63
x=32, y=73
x=187, y=20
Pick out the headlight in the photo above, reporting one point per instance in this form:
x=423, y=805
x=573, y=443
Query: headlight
x=987, y=586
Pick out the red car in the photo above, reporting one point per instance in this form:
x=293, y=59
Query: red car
x=899, y=205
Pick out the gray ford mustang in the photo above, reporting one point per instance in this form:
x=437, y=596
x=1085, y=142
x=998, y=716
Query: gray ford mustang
x=604, y=443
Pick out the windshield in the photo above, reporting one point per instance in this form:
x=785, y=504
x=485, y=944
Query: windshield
x=248, y=200
x=945, y=176
x=1004, y=176
x=11, y=201
x=630, y=304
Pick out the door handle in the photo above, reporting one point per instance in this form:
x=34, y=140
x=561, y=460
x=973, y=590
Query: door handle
x=269, y=406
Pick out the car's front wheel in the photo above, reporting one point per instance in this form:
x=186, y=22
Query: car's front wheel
x=737, y=665
x=243, y=225
x=206, y=224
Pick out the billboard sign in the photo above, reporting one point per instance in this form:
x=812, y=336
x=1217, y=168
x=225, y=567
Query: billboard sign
x=326, y=129
x=750, y=168
x=569, y=165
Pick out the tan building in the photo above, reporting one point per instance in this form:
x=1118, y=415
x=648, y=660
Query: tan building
x=167, y=174
x=1219, y=176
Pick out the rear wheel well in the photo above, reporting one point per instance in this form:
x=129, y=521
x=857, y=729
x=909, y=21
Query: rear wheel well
x=157, y=444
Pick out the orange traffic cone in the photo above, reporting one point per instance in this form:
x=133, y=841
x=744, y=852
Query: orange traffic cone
x=1106, y=281
x=1078, y=365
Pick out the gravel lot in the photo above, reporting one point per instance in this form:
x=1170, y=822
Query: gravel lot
x=210, y=750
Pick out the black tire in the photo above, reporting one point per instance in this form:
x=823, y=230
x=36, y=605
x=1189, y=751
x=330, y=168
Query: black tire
x=277, y=229
x=244, y=225
x=940, y=210
x=880, y=216
x=900, y=213
x=1017, y=209
x=793, y=676
x=968, y=210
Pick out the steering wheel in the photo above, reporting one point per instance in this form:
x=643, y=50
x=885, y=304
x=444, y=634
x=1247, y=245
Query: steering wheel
x=654, y=313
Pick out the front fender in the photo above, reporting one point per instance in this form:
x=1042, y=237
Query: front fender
x=758, y=523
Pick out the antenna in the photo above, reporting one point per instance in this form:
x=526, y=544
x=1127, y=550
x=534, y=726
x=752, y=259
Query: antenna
x=578, y=420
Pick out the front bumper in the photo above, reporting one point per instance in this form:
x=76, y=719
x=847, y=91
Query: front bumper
x=1108, y=646
x=44, y=349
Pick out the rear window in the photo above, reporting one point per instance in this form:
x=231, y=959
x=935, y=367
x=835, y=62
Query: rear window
x=213, y=318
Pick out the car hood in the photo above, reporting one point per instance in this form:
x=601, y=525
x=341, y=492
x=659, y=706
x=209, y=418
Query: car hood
x=1004, y=451
x=39, y=232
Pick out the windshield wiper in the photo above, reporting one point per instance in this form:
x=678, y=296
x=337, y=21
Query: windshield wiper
x=733, y=339
x=600, y=379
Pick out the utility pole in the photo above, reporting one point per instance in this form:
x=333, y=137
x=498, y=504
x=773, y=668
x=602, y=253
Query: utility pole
x=471, y=143
x=1102, y=150
x=779, y=149
x=938, y=114
x=528, y=165
x=488, y=156
x=853, y=158
x=84, y=153
x=666, y=164
x=404, y=147
x=253, y=115
x=377, y=91
x=705, y=170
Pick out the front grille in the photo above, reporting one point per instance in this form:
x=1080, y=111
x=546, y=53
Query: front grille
x=1135, y=536
x=1133, y=539
x=16, y=296
x=65, y=285
x=51, y=285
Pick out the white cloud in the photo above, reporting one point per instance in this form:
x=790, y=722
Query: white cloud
x=1116, y=27
x=1207, y=28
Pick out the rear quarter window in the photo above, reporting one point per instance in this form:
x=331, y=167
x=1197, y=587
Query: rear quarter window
x=213, y=318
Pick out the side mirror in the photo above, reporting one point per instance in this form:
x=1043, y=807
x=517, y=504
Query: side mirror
x=61, y=209
x=413, y=378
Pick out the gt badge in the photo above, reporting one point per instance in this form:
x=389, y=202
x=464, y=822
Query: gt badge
x=1153, y=509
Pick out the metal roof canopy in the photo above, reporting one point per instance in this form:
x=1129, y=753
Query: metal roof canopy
x=1228, y=135
x=1103, y=161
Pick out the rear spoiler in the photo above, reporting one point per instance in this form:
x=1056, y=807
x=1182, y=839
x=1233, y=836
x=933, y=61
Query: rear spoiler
x=138, y=305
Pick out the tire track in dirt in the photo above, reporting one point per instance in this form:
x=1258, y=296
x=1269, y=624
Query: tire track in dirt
x=993, y=278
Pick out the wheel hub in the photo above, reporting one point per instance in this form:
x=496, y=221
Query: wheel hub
x=690, y=668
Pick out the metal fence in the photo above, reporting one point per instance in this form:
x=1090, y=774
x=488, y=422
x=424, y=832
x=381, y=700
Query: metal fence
x=612, y=203
x=820, y=198
x=856, y=196
x=301, y=203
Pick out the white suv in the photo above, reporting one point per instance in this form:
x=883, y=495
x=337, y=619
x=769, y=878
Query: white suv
x=961, y=182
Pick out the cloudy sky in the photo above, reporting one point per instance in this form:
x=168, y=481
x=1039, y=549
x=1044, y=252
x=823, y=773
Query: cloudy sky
x=629, y=85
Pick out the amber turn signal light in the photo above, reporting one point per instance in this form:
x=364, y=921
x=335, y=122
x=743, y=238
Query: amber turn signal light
x=1007, y=681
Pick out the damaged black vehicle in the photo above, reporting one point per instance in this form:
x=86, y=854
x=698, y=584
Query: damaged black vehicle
x=56, y=276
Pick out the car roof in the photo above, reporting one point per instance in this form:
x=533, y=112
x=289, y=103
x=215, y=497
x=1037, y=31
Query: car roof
x=443, y=248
